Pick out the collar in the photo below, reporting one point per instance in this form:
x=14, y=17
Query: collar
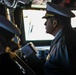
x=58, y=33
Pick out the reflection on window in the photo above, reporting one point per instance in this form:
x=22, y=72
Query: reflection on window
x=34, y=25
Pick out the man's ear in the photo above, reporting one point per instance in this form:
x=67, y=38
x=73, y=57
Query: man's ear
x=54, y=23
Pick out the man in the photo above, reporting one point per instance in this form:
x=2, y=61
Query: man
x=61, y=59
x=7, y=31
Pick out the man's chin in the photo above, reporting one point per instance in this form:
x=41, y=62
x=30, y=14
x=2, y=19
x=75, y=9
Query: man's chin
x=47, y=32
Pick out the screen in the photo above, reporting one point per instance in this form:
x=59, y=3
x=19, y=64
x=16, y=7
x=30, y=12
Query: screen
x=73, y=20
x=40, y=2
x=34, y=28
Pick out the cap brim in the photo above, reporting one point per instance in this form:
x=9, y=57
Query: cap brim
x=8, y=25
x=48, y=15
